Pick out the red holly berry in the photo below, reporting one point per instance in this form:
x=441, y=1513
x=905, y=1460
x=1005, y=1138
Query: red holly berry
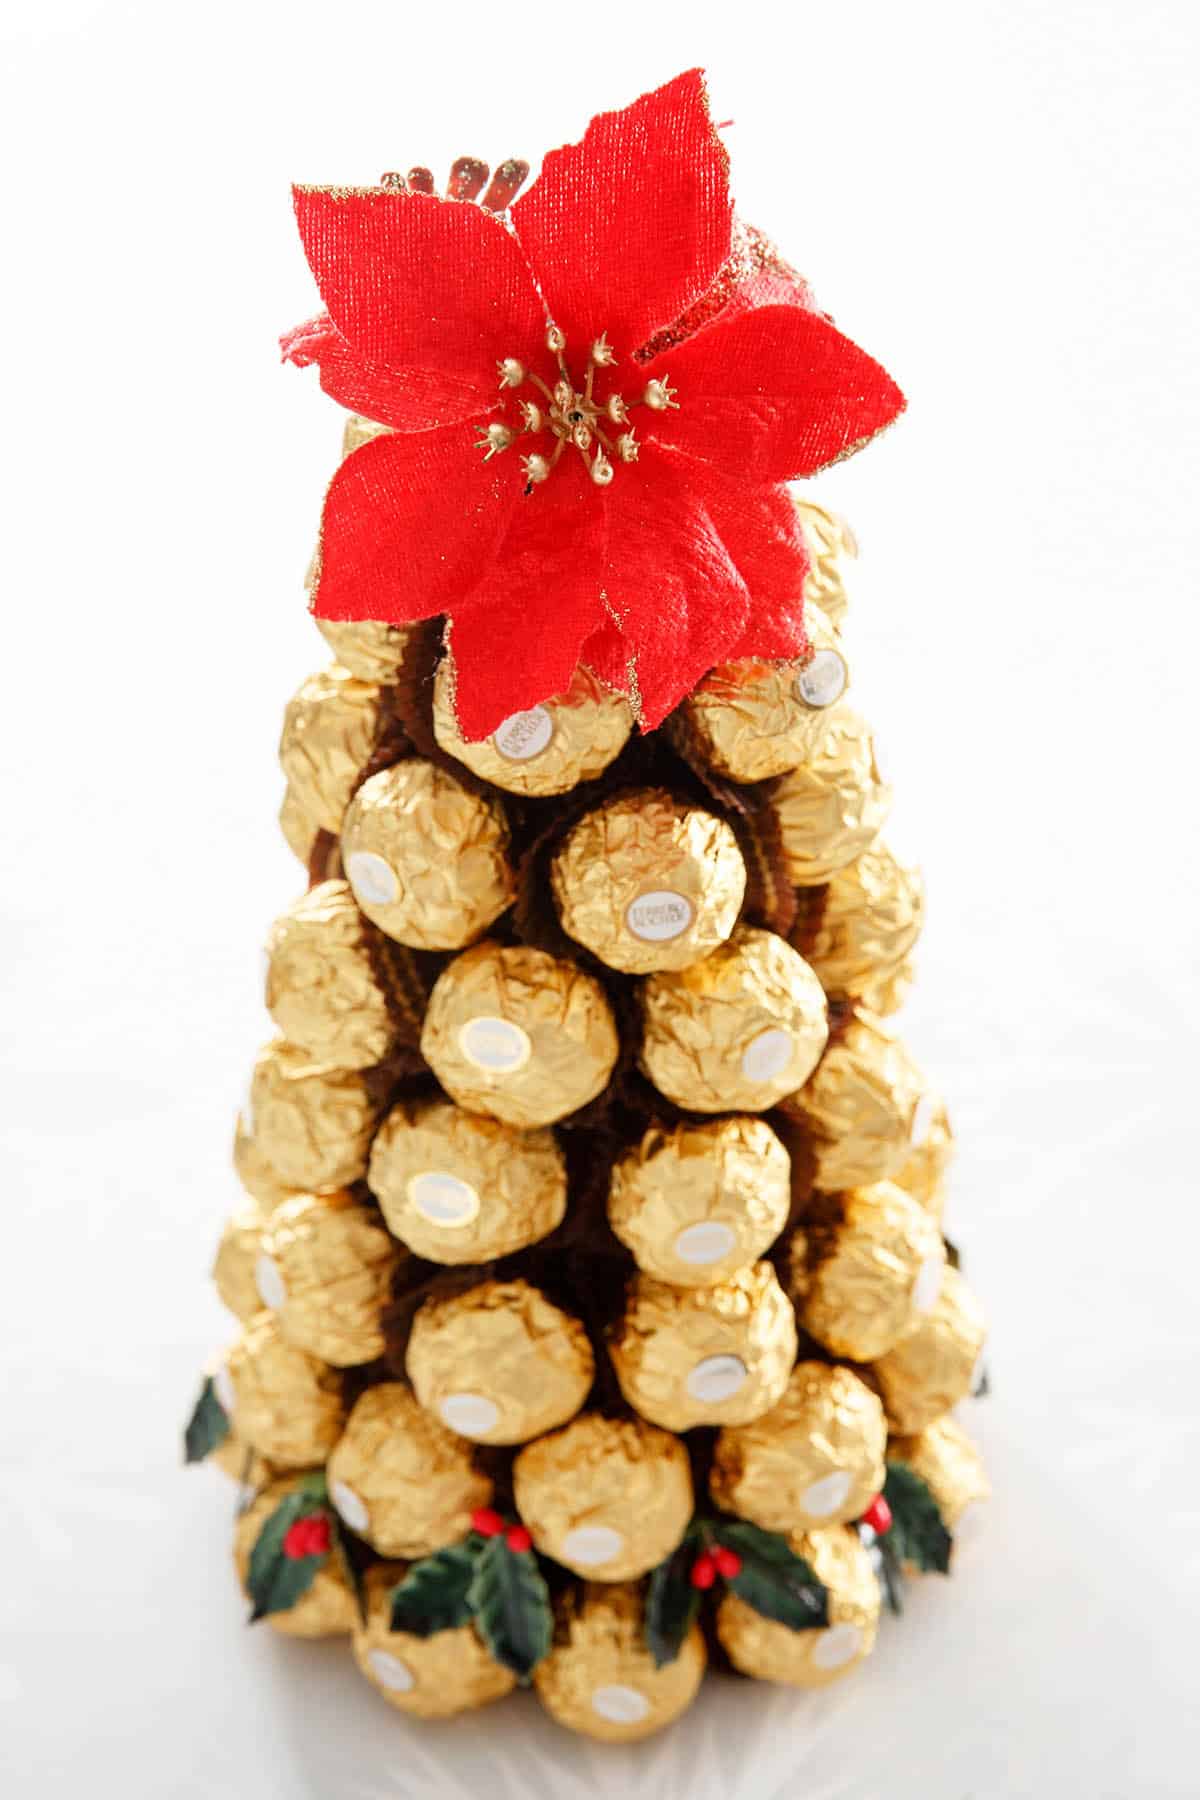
x=518, y=1539
x=728, y=1562
x=704, y=1571
x=878, y=1516
x=309, y=1536
x=487, y=1521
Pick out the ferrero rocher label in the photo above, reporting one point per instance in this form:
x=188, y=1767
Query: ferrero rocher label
x=517, y=1034
x=325, y=1268
x=646, y=882
x=737, y=1031
x=933, y=1368
x=870, y=921
x=831, y=806
x=254, y=1171
x=950, y=1466
x=608, y=1498
x=370, y=649
x=810, y=1659
x=428, y=1677
x=600, y=1678
x=320, y=989
x=753, y=720
x=867, y=1106
x=831, y=545
x=310, y=1121
x=705, y=1356
x=499, y=1364
x=328, y=731
x=328, y=1609
x=401, y=1480
x=696, y=1202
x=864, y=1269
x=924, y=1174
x=547, y=749
x=458, y=1187
x=427, y=859
x=237, y=1256
x=817, y=1458
x=281, y=1401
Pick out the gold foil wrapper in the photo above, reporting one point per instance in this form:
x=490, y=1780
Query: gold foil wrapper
x=320, y=989
x=865, y=1269
x=297, y=824
x=752, y=720
x=810, y=1659
x=648, y=883
x=458, y=1187
x=608, y=1498
x=933, y=1368
x=599, y=1679
x=870, y=921
x=524, y=1037
x=325, y=1269
x=736, y=1032
x=924, y=1174
x=328, y=732
x=499, y=1364
x=371, y=650
x=427, y=859
x=547, y=749
x=281, y=1401
x=816, y=1459
x=867, y=1106
x=426, y=1677
x=243, y=1465
x=831, y=544
x=237, y=1257
x=328, y=1609
x=694, y=1203
x=950, y=1466
x=831, y=807
x=255, y=1172
x=705, y=1356
x=311, y=1122
x=399, y=1479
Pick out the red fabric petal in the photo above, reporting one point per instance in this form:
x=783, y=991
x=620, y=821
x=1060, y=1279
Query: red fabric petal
x=411, y=522
x=416, y=283
x=627, y=228
x=409, y=400
x=773, y=394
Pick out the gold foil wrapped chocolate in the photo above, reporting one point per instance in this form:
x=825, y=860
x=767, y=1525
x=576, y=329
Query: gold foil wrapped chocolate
x=608, y=1498
x=950, y=1466
x=831, y=544
x=311, y=1122
x=696, y=1202
x=547, y=749
x=600, y=1678
x=924, y=1174
x=870, y=920
x=427, y=1677
x=320, y=989
x=297, y=824
x=705, y=1356
x=427, y=859
x=401, y=1480
x=329, y=1608
x=517, y=1034
x=933, y=1368
x=371, y=650
x=832, y=806
x=646, y=882
x=458, y=1187
x=751, y=720
x=237, y=1257
x=499, y=1364
x=243, y=1465
x=325, y=1268
x=867, y=1106
x=254, y=1171
x=737, y=1031
x=810, y=1659
x=328, y=732
x=864, y=1268
x=816, y=1459
x=284, y=1403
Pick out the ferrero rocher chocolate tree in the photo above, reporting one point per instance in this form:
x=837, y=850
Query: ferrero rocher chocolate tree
x=597, y=1322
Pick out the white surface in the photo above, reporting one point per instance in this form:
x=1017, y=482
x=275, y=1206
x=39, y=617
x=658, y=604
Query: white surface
x=998, y=199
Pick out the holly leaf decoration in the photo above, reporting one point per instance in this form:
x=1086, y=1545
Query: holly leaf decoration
x=208, y=1426
x=891, y=1575
x=275, y=1580
x=773, y=1579
x=511, y=1606
x=672, y=1603
x=435, y=1593
x=918, y=1535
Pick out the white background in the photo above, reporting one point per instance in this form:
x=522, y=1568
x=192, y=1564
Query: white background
x=999, y=201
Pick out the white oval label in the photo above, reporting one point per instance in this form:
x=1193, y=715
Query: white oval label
x=658, y=917
x=620, y=1705
x=928, y=1284
x=269, y=1282
x=827, y=1495
x=705, y=1243
x=823, y=680
x=592, y=1545
x=223, y=1388
x=471, y=1415
x=717, y=1378
x=373, y=880
x=768, y=1055
x=495, y=1045
x=349, y=1506
x=390, y=1672
x=922, y=1120
x=837, y=1646
x=442, y=1198
x=524, y=735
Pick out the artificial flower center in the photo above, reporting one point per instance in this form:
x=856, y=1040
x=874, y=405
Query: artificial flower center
x=569, y=417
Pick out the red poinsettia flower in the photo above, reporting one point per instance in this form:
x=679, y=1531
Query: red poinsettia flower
x=585, y=462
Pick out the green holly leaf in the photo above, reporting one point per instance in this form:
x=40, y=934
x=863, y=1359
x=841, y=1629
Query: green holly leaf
x=275, y=1581
x=917, y=1535
x=434, y=1595
x=773, y=1579
x=208, y=1426
x=891, y=1575
x=511, y=1605
x=672, y=1603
